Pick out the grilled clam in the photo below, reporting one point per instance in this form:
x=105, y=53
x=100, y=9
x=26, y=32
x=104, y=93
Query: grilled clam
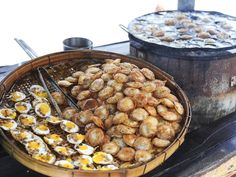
x=17, y=96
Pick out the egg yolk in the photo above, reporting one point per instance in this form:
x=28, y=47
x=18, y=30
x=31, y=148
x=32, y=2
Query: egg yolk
x=55, y=137
x=43, y=127
x=8, y=113
x=67, y=165
x=70, y=125
x=21, y=107
x=43, y=157
x=27, y=121
x=44, y=108
x=84, y=161
x=78, y=137
x=41, y=94
x=7, y=124
x=15, y=96
x=99, y=158
x=34, y=145
x=83, y=147
x=62, y=149
x=23, y=135
x=54, y=119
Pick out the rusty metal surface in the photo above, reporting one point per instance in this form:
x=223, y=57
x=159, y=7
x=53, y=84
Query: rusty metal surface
x=207, y=83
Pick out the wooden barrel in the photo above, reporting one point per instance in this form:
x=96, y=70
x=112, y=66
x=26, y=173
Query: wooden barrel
x=12, y=147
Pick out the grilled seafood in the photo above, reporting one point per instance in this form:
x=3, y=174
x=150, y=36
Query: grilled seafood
x=126, y=154
x=126, y=117
x=59, y=98
x=185, y=29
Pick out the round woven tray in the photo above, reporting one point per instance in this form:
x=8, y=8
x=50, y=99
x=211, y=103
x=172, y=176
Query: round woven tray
x=59, y=64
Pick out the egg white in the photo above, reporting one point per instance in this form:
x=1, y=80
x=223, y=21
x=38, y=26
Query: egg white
x=51, y=141
x=44, y=157
x=11, y=116
x=80, y=148
x=3, y=124
x=60, y=150
x=36, y=88
x=67, y=129
x=21, y=96
x=38, y=131
x=54, y=120
x=26, y=116
x=27, y=105
x=107, y=158
x=37, y=110
x=71, y=140
x=80, y=162
x=64, y=164
x=31, y=150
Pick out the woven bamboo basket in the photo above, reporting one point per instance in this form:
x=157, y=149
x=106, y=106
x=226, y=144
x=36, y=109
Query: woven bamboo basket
x=67, y=60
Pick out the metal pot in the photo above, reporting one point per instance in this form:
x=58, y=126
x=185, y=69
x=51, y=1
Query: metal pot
x=208, y=76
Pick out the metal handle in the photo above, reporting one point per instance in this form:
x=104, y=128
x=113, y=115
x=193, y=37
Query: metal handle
x=124, y=28
x=32, y=54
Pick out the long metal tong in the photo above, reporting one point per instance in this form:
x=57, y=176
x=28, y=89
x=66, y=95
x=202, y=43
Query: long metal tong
x=32, y=54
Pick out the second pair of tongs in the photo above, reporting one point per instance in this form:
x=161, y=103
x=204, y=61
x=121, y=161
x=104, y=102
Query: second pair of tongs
x=43, y=72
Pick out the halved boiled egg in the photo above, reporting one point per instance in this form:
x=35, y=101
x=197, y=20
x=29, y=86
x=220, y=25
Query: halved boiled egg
x=69, y=126
x=65, y=151
x=83, y=160
x=39, y=100
x=38, y=91
x=23, y=107
x=54, y=120
x=84, y=149
x=43, y=110
x=8, y=124
x=41, y=129
x=75, y=138
x=26, y=120
x=6, y=113
x=36, y=146
x=17, y=96
x=102, y=158
x=22, y=135
x=53, y=139
x=64, y=164
x=47, y=157
x=108, y=167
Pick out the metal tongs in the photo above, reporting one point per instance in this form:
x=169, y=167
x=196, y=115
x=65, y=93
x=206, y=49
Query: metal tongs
x=43, y=72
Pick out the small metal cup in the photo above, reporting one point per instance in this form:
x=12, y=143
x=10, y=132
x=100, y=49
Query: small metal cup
x=77, y=43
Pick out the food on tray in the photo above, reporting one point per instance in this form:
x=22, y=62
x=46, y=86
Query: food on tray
x=126, y=117
x=64, y=164
x=6, y=113
x=192, y=30
x=26, y=120
x=59, y=98
x=69, y=126
x=53, y=139
x=54, y=120
x=41, y=128
x=47, y=157
x=8, y=124
x=23, y=107
x=43, y=110
x=17, y=96
x=75, y=138
x=38, y=91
